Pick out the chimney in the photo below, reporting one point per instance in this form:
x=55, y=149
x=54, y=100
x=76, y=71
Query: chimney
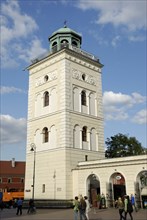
x=13, y=162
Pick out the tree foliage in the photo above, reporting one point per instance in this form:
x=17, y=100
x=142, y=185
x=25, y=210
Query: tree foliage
x=121, y=145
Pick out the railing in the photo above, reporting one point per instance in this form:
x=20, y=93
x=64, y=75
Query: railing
x=42, y=56
x=84, y=53
x=65, y=45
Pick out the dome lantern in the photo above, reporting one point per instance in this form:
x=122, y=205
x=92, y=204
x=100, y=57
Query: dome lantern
x=64, y=37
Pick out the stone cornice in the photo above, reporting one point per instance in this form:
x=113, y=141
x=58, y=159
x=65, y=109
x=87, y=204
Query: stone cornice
x=77, y=57
x=133, y=160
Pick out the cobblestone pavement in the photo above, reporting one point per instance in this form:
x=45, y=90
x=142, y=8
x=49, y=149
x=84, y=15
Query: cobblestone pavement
x=67, y=214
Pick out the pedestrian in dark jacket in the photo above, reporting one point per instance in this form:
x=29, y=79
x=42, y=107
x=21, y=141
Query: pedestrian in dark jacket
x=128, y=207
x=82, y=209
x=19, y=206
x=31, y=206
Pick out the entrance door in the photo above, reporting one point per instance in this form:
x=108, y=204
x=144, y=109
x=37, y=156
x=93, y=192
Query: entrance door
x=118, y=185
x=119, y=191
x=93, y=188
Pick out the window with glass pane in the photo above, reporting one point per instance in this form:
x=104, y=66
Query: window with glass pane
x=45, y=135
x=46, y=99
x=83, y=98
x=84, y=134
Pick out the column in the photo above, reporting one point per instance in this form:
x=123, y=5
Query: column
x=81, y=143
x=89, y=139
x=80, y=106
x=97, y=141
x=88, y=104
x=96, y=107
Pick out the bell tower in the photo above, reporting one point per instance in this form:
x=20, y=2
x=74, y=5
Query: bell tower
x=65, y=116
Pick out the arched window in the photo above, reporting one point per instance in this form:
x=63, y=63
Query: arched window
x=84, y=134
x=74, y=43
x=83, y=76
x=83, y=97
x=54, y=47
x=45, y=135
x=46, y=78
x=46, y=99
x=64, y=43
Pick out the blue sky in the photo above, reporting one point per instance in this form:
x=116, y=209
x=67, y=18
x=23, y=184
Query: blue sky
x=114, y=31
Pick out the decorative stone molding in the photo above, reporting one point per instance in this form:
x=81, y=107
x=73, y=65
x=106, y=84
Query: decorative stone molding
x=41, y=80
x=76, y=74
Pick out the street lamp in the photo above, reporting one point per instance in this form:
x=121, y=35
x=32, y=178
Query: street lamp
x=33, y=148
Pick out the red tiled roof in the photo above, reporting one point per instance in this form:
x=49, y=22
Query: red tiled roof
x=7, y=169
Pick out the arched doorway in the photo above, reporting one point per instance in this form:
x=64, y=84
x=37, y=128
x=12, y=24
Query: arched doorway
x=93, y=188
x=117, y=187
x=141, y=189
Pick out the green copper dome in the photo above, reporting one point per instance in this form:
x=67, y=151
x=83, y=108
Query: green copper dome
x=64, y=37
x=65, y=30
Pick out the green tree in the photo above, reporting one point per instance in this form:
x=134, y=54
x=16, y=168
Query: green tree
x=121, y=145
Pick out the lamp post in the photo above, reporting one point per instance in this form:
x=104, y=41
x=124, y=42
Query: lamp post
x=33, y=148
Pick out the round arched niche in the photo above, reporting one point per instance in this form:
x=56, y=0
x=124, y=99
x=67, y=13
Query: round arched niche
x=117, y=186
x=141, y=189
x=93, y=188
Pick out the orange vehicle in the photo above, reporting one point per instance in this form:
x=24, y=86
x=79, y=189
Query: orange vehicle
x=10, y=196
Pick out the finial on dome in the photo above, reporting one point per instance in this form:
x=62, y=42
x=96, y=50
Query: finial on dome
x=65, y=22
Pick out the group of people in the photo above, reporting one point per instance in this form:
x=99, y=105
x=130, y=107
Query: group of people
x=31, y=208
x=81, y=207
x=126, y=205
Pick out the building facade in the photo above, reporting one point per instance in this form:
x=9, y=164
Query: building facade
x=65, y=127
x=113, y=178
x=12, y=176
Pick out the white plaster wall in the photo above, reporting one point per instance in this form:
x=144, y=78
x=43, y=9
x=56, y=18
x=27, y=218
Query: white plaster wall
x=129, y=167
x=58, y=157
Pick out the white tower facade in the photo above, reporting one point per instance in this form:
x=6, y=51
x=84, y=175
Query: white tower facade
x=65, y=116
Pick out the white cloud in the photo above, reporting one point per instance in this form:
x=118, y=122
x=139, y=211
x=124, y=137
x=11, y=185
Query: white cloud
x=12, y=130
x=115, y=40
x=116, y=114
x=15, y=28
x=16, y=23
x=137, y=98
x=35, y=50
x=137, y=38
x=6, y=89
x=116, y=105
x=140, y=117
x=111, y=98
x=99, y=38
x=127, y=19
x=131, y=14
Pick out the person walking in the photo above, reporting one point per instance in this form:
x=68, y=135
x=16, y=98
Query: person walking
x=87, y=207
x=128, y=207
x=76, y=209
x=120, y=206
x=31, y=208
x=133, y=202
x=82, y=209
x=98, y=197
x=19, y=206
